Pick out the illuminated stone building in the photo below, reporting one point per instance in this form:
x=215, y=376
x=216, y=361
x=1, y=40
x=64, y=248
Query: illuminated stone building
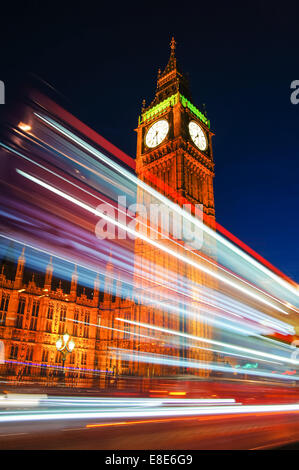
x=174, y=155
x=33, y=316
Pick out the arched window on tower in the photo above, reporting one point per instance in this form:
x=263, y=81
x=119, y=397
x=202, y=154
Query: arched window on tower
x=45, y=357
x=75, y=324
x=62, y=319
x=72, y=357
x=50, y=311
x=58, y=357
x=98, y=330
x=34, y=315
x=83, y=359
x=20, y=312
x=21, y=305
x=35, y=308
x=126, y=327
x=49, y=317
x=29, y=354
x=86, y=324
x=3, y=308
x=14, y=351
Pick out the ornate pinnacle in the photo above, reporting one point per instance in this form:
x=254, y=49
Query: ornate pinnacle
x=172, y=45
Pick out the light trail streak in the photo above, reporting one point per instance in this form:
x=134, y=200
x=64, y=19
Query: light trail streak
x=102, y=200
x=170, y=340
x=168, y=203
x=86, y=191
x=148, y=240
x=277, y=325
x=229, y=353
x=49, y=253
x=210, y=341
x=50, y=366
x=179, y=362
x=166, y=412
x=224, y=304
x=139, y=335
x=187, y=418
x=202, y=299
x=39, y=165
x=153, y=229
x=113, y=329
x=17, y=399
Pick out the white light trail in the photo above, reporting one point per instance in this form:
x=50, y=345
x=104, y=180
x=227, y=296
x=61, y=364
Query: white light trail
x=148, y=240
x=170, y=341
x=143, y=224
x=166, y=412
x=270, y=323
x=211, y=341
x=174, y=361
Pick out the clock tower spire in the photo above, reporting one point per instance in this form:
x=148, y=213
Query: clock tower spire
x=174, y=141
x=171, y=79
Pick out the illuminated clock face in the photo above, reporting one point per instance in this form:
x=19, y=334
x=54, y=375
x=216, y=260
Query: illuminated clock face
x=157, y=133
x=197, y=135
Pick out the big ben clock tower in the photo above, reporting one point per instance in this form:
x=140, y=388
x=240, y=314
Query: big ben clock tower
x=174, y=155
x=174, y=142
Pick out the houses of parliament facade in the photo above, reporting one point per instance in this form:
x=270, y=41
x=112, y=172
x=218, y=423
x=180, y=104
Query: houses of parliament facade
x=174, y=145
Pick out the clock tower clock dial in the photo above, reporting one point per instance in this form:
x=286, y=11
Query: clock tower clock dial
x=157, y=133
x=198, y=136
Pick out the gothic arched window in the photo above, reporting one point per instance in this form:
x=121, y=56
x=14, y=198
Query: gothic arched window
x=14, y=351
x=3, y=308
x=20, y=313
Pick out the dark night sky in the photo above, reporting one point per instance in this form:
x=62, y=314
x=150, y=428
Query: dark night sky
x=241, y=61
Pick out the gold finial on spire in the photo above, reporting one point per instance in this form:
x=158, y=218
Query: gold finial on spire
x=172, y=45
